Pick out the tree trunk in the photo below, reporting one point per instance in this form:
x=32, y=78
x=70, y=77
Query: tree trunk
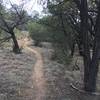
x=94, y=66
x=91, y=64
x=85, y=41
x=80, y=47
x=93, y=74
x=72, y=49
x=62, y=25
x=16, y=48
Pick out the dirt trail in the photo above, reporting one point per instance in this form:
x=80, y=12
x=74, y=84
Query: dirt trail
x=38, y=75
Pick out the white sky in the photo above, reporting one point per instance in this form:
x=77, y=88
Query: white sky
x=30, y=6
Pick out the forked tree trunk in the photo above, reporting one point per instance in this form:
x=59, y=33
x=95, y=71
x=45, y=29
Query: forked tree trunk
x=90, y=64
x=94, y=66
x=16, y=48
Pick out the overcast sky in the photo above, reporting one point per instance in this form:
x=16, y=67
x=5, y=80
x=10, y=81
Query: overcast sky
x=30, y=6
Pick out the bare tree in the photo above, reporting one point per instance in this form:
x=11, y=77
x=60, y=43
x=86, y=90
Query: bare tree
x=11, y=19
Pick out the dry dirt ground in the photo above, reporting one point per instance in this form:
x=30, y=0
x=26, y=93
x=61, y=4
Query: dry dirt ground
x=32, y=75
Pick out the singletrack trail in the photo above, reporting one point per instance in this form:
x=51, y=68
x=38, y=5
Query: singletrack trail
x=38, y=73
x=48, y=76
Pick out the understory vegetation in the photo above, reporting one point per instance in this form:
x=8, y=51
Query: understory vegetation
x=71, y=26
x=40, y=32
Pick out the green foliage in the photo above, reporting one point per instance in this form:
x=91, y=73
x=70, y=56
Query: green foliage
x=39, y=32
x=61, y=54
x=64, y=34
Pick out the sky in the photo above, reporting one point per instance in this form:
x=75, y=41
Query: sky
x=30, y=6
